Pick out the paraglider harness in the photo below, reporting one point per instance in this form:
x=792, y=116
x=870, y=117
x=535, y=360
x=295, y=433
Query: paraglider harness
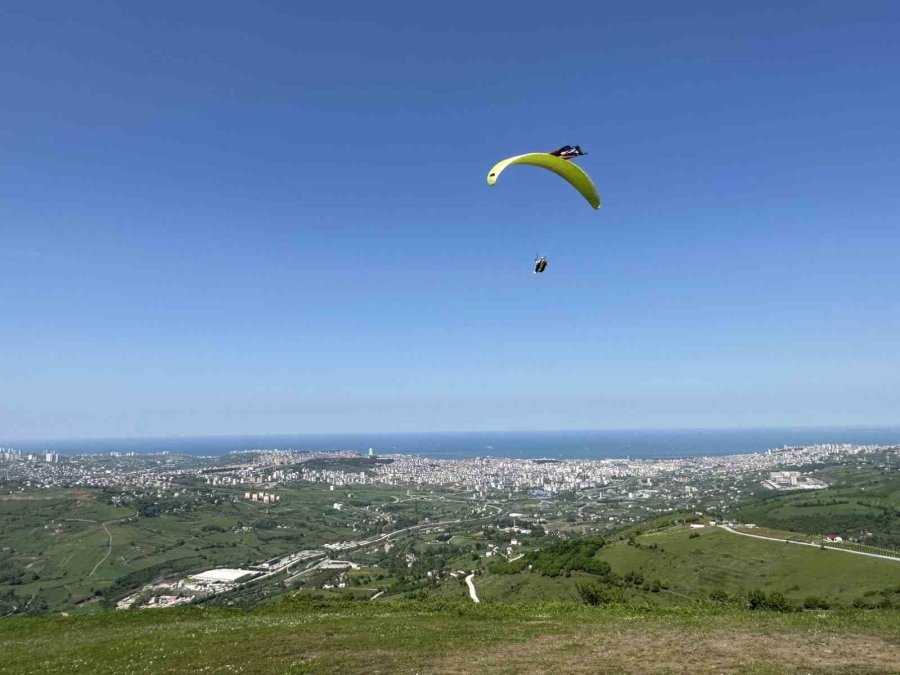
x=568, y=152
x=540, y=264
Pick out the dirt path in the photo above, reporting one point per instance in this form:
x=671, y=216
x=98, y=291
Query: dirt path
x=471, y=585
x=108, y=533
x=108, y=551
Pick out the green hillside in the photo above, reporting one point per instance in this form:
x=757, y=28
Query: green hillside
x=863, y=504
x=695, y=563
x=681, y=566
x=73, y=549
x=409, y=637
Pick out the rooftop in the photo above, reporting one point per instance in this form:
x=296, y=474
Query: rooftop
x=223, y=575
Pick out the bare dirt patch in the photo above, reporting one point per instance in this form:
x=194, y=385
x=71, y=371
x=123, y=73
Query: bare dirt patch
x=654, y=649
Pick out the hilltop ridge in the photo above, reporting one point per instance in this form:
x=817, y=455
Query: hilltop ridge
x=294, y=636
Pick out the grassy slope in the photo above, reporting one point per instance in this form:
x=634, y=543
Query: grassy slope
x=403, y=637
x=720, y=560
x=693, y=567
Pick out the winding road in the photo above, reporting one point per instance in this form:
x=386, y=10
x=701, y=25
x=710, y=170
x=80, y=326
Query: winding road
x=803, y=543
x=471, y=585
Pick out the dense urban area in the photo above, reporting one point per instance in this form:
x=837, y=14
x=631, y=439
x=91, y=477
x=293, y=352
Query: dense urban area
x=123, y=530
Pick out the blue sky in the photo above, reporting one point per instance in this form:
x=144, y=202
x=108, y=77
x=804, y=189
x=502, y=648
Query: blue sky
x=218, y=218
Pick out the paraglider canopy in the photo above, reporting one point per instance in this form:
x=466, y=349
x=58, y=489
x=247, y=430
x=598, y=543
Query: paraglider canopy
x=557, y=162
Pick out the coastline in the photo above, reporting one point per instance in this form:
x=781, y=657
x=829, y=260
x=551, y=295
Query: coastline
x=539, y=445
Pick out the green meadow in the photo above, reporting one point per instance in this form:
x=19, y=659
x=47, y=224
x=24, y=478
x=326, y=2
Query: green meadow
x=712, y=559
x=682, y=566
x=402, y=637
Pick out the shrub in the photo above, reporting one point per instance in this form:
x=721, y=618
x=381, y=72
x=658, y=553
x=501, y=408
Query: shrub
x=504, y=567
x=756, y=599
x=592, y=594
x=778, y=603
x=814, y=602
x=636, y=578
x=718, y=595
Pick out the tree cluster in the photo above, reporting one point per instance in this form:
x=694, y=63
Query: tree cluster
x=568, y=556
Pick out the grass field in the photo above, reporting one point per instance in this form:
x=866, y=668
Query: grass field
x=451, y=637
x=714, y=559
x=525, y=587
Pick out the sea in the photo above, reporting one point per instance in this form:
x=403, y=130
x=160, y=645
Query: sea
x=518, y=444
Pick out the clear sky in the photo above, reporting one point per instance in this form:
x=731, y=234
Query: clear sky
x=263, y=217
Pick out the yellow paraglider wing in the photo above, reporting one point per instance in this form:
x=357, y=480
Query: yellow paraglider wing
x=568, y=171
